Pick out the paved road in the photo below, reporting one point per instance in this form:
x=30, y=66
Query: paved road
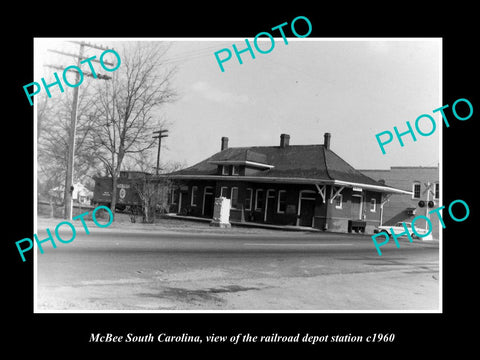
x=127, y=268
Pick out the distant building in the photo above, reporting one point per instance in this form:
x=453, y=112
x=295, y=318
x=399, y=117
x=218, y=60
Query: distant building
x=424, y=184
x=80, y=195
x=133, y=174
x=299, y=185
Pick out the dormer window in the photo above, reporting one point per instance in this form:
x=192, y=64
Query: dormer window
x=230, y=169
x=233, y=163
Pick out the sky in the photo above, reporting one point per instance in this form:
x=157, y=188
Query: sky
x=350, y=88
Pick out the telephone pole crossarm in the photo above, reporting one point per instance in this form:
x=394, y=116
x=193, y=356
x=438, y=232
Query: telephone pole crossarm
x=79, y=57
x=83, y=43
x=159, y=137
x=98, y=76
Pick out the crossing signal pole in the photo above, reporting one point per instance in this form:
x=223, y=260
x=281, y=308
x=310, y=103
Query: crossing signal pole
x=159, y=137
x=68, y=194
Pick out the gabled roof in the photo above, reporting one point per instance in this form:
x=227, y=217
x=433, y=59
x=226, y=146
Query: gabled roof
x=314, y=164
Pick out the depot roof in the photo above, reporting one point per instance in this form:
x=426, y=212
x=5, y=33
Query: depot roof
x=301, y=164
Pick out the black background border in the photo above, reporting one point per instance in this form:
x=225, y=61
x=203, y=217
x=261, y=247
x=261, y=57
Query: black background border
x=414, y=332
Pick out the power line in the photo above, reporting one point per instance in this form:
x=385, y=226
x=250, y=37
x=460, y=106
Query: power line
x=190, y=55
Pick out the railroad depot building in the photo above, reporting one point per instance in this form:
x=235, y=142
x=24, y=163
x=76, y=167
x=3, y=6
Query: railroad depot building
x=299, y=185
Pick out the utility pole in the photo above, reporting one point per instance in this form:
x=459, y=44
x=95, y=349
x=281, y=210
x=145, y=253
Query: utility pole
x=68, y=194
x=429, y=185
x=159, y=137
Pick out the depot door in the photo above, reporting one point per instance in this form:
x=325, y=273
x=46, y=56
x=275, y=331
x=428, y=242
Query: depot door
x=269, y=206
x=356, y=209
x=306, y=208
x=208, y=202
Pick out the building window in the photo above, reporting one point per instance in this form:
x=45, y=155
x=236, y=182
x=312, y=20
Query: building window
x=282, y=201
x=248, y=199
x=194, y=200
x=224, y=170
x=224, y=191
x=437, y=190
x=235, y=170
x=339, y=201
x=234, y=197
x=259, y=199
x=416, y=190
x=373, y=205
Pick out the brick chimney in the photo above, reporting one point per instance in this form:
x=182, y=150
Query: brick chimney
x=284, y=140
x=326, y=140
x=224, y=143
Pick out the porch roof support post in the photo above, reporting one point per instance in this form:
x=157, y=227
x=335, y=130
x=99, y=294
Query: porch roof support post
x=322, y=191
x=336, y=194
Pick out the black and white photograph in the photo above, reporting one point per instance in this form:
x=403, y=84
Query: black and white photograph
x=222, y=180
x=251, y=184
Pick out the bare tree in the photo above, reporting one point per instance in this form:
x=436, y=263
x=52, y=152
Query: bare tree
x=153, y=190
x=126, y=106
x=53, y=122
